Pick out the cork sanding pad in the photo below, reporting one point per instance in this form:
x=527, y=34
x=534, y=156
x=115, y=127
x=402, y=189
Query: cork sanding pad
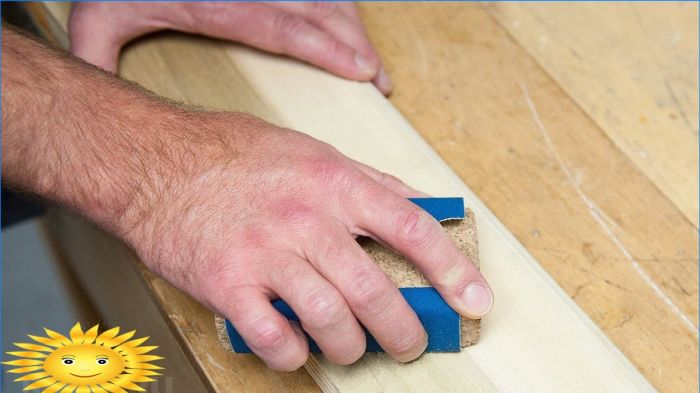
x=447, y=331
x=404, y=274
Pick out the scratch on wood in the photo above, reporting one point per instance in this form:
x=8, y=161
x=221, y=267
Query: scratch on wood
x=624, y=321
x=678, y=106
x=600, y=217
x=215, y=363
x=578, y=289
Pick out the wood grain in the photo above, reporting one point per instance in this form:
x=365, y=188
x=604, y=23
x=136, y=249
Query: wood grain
x=459, y=79
x=568, y=193
x=633, y=68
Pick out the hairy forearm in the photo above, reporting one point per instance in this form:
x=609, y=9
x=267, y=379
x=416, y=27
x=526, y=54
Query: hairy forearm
x=231, y=209
x=83, y=138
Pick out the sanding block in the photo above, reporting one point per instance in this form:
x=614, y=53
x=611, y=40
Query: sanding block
x=447, y=330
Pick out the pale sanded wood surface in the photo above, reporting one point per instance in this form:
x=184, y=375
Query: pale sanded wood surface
x=578, y=203
x=459, y=80
x=633, y=68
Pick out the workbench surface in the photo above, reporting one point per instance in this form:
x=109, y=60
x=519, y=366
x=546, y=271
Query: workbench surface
x=576, y=124
x=604, y=192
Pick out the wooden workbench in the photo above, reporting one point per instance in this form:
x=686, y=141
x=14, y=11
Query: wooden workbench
x=616, y=86
x=599, y=182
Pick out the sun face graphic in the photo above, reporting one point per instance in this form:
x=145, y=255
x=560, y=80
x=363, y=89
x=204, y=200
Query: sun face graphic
x=86, y=362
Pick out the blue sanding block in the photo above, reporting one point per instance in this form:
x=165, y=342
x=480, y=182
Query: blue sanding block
x=443, y=325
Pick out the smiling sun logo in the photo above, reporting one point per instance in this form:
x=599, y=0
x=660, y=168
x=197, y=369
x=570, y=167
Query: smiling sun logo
x=86, y=362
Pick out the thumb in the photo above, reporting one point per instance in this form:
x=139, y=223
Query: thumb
x=97, y=31
x=96, y=51
x=91, y=40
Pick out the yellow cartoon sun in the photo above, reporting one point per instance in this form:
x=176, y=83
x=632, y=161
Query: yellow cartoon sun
x=85, y=362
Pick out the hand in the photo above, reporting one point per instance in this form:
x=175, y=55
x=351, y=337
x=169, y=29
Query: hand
x=327, y=35
x=256, y=212
x=233, y=210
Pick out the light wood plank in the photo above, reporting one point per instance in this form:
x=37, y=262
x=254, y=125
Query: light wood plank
x=459, y=79
x=535, y=338
x=632, y=67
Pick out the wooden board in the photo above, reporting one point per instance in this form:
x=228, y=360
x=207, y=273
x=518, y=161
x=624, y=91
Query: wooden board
x=643, y=59
x=459, y=80
x=535, y=338
x=482, y=105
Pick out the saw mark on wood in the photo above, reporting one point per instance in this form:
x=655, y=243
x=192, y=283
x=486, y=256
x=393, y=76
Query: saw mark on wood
x=599, y=216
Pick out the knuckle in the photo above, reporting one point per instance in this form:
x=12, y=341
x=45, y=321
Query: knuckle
x=324, y=308
x=452, y=278
x=370, y=294
x=414, y=227
x=267, y=335
x=221, y=280
x=220, y=285
x=294, y=211
x=334, y=50
x=332, y=173
x=331, y=250
x=287, y=24
x=323, y=9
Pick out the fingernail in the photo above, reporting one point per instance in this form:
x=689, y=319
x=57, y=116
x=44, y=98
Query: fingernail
x=365, y=65
x=478, y=299
x=383, y=81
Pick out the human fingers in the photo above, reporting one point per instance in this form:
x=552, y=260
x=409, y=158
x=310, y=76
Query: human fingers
x=412, y=232
x=280, y=31
x=373, y=298
x=343, y=24
x=269, y=335
x=90, y=39
x=322, y=310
